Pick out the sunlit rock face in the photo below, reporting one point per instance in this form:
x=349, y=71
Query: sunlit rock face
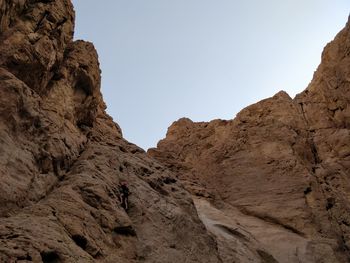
x=62, y=157
x=278, y=174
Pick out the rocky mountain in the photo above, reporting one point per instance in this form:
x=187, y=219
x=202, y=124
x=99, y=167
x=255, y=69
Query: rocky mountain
x=62, y=157
x=273, y=184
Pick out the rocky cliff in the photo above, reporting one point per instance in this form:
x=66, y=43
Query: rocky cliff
x=273, y=183
x=62, y=157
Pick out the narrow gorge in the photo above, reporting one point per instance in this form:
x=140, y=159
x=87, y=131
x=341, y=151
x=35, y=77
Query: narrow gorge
x=271, y=185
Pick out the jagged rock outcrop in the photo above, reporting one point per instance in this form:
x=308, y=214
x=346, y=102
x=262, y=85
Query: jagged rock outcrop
x=62, y=157
x=278, y=173
x=271, y=185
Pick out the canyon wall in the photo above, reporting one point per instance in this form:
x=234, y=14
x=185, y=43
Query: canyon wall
x=283, y=161
x=62, y=157
x=270, y=185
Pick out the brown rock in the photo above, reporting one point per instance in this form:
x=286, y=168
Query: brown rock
x=281, y=164
x=62, y=157
x=270, y=185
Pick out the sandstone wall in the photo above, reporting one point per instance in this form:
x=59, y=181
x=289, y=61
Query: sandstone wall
x=285, y=161
x=62, y=157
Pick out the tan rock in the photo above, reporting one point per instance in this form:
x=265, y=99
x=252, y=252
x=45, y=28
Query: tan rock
x=282, y=161
x=62, y=157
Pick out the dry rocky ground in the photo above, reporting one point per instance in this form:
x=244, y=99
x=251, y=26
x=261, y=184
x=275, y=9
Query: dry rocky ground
x=271, y=185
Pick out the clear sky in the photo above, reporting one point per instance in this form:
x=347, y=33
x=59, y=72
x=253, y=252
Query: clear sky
x=202, y=59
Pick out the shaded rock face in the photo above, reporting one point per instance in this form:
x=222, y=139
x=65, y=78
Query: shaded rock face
x=62, y=157
x=281, y=162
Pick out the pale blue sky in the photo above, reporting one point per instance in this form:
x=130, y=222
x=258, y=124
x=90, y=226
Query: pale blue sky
x=202, y=59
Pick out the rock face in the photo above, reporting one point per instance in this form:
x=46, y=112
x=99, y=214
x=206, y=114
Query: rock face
x=271, y=185
x=276, y=176
x=62, y=157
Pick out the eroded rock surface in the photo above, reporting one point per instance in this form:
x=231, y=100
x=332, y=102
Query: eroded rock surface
x=62, y=157
x=283, y=161
x=271, y=185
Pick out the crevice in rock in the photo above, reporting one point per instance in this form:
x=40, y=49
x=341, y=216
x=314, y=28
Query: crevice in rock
x=231, y=231
x=80, y=241
x=344, y=222
x=13, y=236
x=25, y=258
x=307, y=190
x=169, y=180
x=125, y=231
x=315, y=155
x=84, y=83
x=157, y=186
x=266, y=257
x=271, y=220
x=329, y=201
x=61, y=23
x=303, y=113
x=37, y=27
x=50, y=256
